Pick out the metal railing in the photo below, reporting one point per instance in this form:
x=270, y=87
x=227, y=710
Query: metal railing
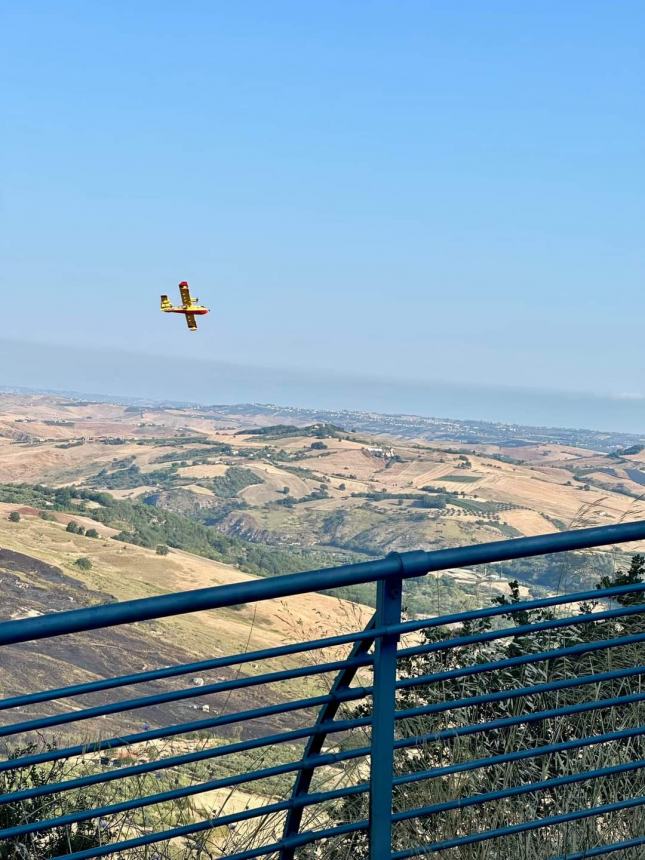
x=518, y=726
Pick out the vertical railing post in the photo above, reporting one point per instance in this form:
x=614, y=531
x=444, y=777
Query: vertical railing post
x=388, y=612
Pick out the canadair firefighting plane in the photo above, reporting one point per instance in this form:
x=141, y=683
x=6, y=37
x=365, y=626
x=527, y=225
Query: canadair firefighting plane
x=189, y=306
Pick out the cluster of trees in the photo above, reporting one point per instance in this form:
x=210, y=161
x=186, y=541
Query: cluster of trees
x=288, y=501
x=319, y=431
x=76, y=529
x=145, y=525
x=236, y=478
x=200, y=454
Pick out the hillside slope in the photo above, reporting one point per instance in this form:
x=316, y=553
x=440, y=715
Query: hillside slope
x=38, y=574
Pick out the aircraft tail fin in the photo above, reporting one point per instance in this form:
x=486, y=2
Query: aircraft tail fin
x=165, y=303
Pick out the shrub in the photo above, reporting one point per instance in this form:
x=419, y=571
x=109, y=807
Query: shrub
x=91, y=533
x=83, y=563
x=72, y=527
x=51, y=843
x=162, y=549
x=14, y=517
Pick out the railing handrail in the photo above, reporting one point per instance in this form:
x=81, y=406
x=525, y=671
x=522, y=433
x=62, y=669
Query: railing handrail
x=386, y=711
x=406, y=564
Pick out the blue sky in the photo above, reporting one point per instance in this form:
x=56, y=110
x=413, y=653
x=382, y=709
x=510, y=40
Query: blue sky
x=427, y=191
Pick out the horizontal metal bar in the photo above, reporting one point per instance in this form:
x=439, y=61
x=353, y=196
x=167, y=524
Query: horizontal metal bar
x=519, y=692
x=335, y=641
x=319, y=760
x=175, y=794
x=518, y=755
x=521, y=660
x=186, y=669
x=599, y=850
x=77, y=750
x=506, y=722
x=182, y=695
x=150, y=839
x=396, y=564
x=298, y=734
x=145, y=702
x=315, y=761
x=515, y=791
x=526, y=826
x=521, y=629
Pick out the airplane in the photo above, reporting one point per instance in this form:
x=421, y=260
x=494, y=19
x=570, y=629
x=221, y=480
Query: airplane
x=189, y=306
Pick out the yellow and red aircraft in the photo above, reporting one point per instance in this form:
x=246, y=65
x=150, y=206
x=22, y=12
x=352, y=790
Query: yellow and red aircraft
x=189, y=306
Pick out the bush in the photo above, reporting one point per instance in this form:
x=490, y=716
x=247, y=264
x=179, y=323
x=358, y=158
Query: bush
x=72, y=527
x=92, y=533
x=83, y=563
x=162, y=549
x=51, y=843
x=14, y=517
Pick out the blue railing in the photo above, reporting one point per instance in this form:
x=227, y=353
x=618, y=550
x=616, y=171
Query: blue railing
x=509, y=731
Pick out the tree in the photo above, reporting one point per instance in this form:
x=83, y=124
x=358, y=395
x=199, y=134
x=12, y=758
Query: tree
x=72, y=527
x=634, y=576
x=91, y=533
x=162, y=549
x=14, y=517
x=474, y=746
x=83, y=563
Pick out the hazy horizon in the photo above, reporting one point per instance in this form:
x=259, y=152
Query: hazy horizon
x=448, y=194
x=121, y=373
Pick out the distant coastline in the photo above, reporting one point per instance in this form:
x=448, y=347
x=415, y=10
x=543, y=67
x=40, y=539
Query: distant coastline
x=126, y=375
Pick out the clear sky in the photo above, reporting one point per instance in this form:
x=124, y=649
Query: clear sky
x=424, y=190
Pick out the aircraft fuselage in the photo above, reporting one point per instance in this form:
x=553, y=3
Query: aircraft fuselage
x=198, y=310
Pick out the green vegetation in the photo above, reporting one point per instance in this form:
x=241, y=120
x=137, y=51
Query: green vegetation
x=461, y=479
x=130, y=477
x=626, y=452
x=49, y=843
x=167, y=441
x=14, y=517
x=577, y=837
x=277, y=431
x=229, y=485
x=83, y=563
x=314, y=496
x=200, y=454
x=149, y=526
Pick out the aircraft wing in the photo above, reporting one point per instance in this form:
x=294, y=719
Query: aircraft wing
x=185, y=294
x=191, y=322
